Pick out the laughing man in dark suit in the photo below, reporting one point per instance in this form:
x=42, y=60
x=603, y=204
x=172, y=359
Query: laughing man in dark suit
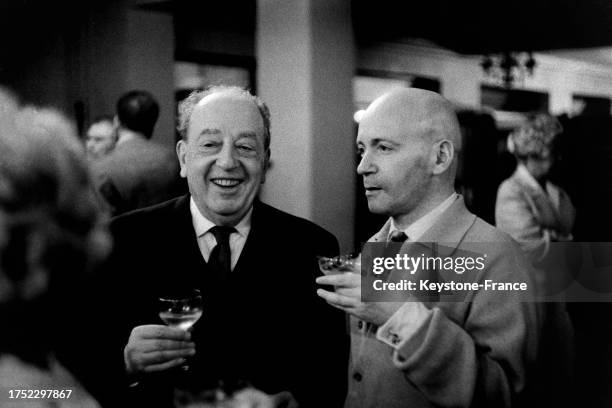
x=262, y=322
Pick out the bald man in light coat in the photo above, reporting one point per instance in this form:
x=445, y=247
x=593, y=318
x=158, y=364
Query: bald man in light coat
x=473, y=351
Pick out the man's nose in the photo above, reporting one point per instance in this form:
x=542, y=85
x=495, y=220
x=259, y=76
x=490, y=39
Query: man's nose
x=226, y=159
x=365, y=165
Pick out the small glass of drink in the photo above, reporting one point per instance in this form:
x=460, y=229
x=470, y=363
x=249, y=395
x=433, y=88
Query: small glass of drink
x=339, y=264
x=182, y=311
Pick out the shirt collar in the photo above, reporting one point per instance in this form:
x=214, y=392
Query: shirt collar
x=202, y=225
x=415, y=230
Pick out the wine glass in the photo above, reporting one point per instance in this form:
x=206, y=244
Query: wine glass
x=182, y=311
x=339, y=264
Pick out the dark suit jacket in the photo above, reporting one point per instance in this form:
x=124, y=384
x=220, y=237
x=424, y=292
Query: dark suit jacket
x=267, y=326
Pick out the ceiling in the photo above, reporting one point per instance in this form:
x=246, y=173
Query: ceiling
x=579, y=29
x=488, y=26
x=601, y=55
x=464, y=26
x=573, y=29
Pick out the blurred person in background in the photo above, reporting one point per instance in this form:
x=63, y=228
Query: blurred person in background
x=51, y=234
x=138, y=172
x=537, y=213
x=101, y=137
x=534, y=211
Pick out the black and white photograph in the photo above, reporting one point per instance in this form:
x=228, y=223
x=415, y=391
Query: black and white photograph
x=305, y=204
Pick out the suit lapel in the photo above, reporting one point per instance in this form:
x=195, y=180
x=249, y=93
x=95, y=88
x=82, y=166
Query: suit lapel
x=193, y=266
x=449, y=228
x=254, y=240
x=441, y=239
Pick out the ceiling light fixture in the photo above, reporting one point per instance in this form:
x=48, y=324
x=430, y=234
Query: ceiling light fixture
x=509, y=68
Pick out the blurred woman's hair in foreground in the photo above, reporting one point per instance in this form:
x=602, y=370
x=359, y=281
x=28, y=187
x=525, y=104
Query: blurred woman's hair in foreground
x=51, y=232
x=50, y=221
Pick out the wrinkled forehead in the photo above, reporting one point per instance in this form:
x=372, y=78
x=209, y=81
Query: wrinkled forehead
x=226, y=112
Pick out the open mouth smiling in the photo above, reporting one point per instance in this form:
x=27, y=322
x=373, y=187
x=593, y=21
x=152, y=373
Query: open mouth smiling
x=225, y=182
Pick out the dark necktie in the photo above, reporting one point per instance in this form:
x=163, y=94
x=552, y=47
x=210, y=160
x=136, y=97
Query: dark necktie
x=218, y=316
x=398, y=236
x=394, y=243
x=220, y=260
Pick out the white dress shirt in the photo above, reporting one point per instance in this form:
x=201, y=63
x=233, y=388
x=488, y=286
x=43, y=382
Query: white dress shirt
x=207, y=241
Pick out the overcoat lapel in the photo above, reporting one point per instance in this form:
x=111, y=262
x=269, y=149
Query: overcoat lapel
x=449, y=229
x=441, y=240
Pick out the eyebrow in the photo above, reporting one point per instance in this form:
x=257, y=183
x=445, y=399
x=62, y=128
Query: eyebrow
x=247, y=134
x=209, y=131
x=377, y=140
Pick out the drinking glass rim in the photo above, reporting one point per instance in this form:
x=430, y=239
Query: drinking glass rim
x=196, y=295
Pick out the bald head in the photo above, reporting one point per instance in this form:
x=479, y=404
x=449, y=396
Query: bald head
x=408, y=140
x=420, y=113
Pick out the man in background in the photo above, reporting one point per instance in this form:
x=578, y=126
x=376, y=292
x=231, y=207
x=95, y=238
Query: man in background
x=473, y=351
x=101, y=137
x=138, y=172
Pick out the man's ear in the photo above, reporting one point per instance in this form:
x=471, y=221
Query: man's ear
x=444, y=153
x=266, y=165
x=181, y=152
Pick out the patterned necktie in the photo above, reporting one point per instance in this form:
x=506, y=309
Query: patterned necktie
x=220, y=260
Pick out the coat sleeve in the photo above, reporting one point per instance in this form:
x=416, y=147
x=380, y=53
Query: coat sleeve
x=567, y=212
x=480, y=362
x=514, y=216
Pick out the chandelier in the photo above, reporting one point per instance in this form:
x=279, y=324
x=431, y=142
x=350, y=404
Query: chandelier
x=509, y=67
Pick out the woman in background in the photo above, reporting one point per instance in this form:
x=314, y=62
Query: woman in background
x=50, y=235
x=536, y=213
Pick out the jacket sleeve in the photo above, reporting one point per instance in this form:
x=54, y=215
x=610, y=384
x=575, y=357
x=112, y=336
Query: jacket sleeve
x=482, y=361
x=514, y=216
